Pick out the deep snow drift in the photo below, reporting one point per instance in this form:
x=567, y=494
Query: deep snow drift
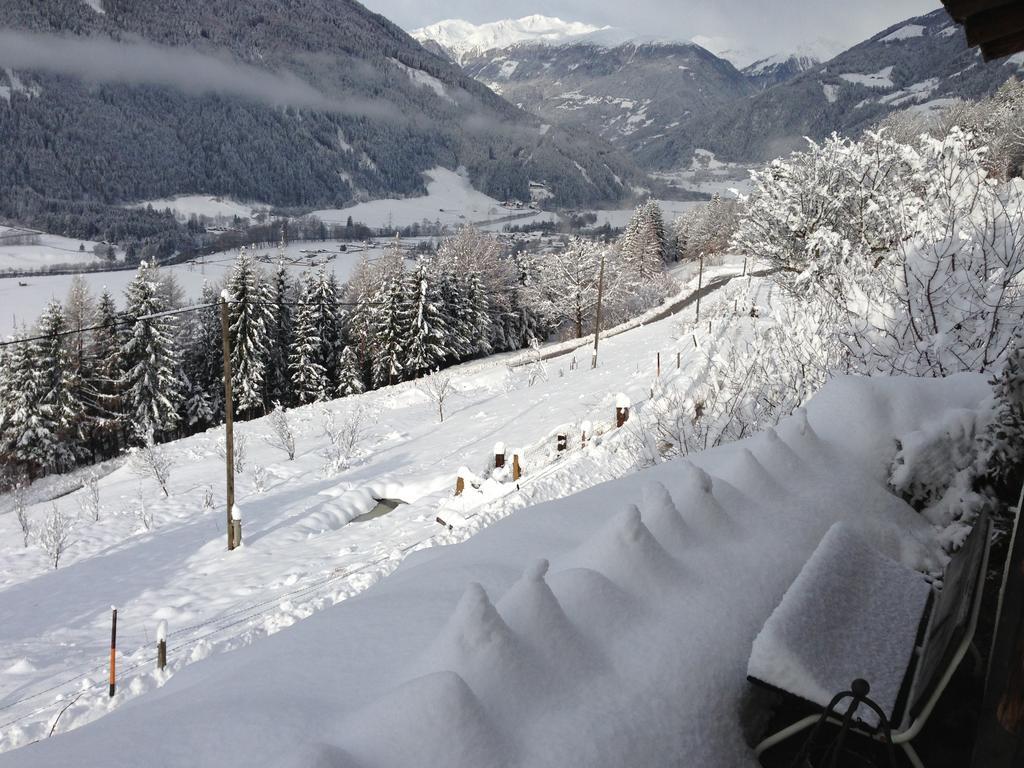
x=609, y=628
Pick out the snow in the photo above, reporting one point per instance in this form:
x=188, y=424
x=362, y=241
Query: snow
x=581, y=631
x=860, y=605
x=424, y=79
x=450, y=199
x=831, y=92
x=96, y=5
x=948, y=31
x=905, y=32
x=47, y=250
x=462, y=38
x=185, y=206
x=880, y=79
x=425, y=668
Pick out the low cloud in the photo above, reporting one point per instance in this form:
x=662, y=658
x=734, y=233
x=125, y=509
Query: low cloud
x=189, y=71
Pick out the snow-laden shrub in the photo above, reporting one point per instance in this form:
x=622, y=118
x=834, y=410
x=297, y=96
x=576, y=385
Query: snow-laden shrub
x=54, y=535
x=915, y=253
x=238, y=450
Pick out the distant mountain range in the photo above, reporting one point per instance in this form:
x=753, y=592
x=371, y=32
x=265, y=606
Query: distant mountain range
x=661, y=101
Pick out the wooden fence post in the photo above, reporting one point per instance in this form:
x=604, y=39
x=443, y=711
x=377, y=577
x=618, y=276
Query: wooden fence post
x=561, y=442
x=460, y=485
x=113, y=650
x=517, y=470
x=621, y=410
x=499, y=455
x=679, y=360
x=585, y=429
x=161, y=645
x=659, y=363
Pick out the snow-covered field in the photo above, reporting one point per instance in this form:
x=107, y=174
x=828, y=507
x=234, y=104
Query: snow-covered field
x=450, y=200
x=185, y=206
x=302, y=550
x=23, y=303
x=50, y=250
x=524, y=646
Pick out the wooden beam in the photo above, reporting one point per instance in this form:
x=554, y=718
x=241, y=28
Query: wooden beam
x=1004, y=46
x=995, y=23
x=960, y=10
x=1000, y=741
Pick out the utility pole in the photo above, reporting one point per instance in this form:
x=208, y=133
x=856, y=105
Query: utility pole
x=700, y=283
x=229, y=425
x=597, y=320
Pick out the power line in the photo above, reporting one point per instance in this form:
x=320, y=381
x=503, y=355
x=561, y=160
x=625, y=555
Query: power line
x=173, y=312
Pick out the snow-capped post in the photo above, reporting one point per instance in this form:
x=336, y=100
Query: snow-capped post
x=236, y=526
x=561, y=442
x=621, y=409
x=597, y=319
x=460, y=480
x=161, y=644
x=113, y=650
x=517, y=470
x=229, y=431
x=499, y=455
x=585, y=430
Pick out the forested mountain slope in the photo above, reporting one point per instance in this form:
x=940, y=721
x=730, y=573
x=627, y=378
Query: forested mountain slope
x=298, y=103
x=921, y=64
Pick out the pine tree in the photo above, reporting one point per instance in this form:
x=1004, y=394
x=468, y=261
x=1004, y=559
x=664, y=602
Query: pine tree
x=325, y=297
x=279, y=338
x=479, y=312
x=427, y=335
x=28, y=439
x=106, y=406
x=203, y=363
x=59, y=396
x=350, y=374
x=308, y=376
x=388, y=325
x=249, y=316
x=643, y=244
x=151, y=388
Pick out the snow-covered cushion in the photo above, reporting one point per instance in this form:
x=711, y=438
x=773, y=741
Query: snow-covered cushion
x=850, y=613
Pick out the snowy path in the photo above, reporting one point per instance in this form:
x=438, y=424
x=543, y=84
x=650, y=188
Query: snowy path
x=300, y=551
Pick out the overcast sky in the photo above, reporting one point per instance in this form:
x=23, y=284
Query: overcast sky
x=766, y=25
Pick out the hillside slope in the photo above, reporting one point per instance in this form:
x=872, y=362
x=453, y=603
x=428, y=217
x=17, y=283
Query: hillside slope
x=314, y=104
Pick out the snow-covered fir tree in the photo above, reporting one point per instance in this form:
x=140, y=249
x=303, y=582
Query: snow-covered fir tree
x=350, y=374
x=60, y=395
x=249, y=316
x=203, y=363
x=305, y=362
x=152, y=392
x=106, y=407
x=28, y=439
x=643, y=244
x=325, y=296
x=279, y=336
x=427, y=335
x=388, y=324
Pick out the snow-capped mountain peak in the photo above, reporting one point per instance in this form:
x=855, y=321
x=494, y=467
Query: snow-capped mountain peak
x=461, y=38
